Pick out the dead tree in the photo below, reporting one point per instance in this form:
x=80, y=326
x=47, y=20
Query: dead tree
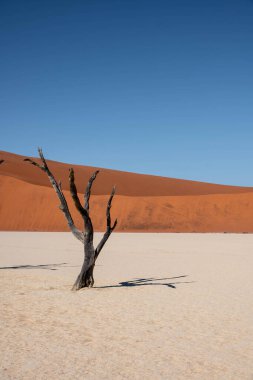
x=85, y=277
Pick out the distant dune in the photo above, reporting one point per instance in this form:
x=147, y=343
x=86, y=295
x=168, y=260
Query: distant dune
x=143, y=203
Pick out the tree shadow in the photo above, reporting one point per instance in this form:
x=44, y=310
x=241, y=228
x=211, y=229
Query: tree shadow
x=39, y=266
x=148, y=282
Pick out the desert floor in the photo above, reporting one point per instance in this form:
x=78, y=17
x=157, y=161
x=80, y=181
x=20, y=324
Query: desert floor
x=164, y=306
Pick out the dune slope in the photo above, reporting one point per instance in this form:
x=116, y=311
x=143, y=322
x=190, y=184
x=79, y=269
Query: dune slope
x=143, y=202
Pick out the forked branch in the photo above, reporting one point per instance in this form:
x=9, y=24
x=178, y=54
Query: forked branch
x=57, y=187
x=73, y=191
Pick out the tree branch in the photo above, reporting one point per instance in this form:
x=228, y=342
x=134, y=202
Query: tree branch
x=73, y=191
x=88, y=190
x=109, y=228
x=57, y=187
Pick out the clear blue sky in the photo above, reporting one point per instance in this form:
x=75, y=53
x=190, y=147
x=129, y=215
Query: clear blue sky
x=161, y=87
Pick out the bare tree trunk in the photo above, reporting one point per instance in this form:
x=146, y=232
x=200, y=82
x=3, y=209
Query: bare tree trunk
x=85, y=278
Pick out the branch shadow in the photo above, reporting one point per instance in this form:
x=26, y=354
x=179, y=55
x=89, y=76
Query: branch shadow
x=42, y=266
x=151, y=281
x=39, y=266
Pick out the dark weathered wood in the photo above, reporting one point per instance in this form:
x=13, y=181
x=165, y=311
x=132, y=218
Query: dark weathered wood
x=88, y=190
x=109, y=228
x=85, y=277
x=73, y=191
x=57, y=187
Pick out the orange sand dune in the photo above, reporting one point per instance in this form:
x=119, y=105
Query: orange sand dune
x=130, y=184
x=143, y=202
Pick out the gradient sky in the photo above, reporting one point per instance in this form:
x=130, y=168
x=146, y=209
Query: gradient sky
x=158, y=87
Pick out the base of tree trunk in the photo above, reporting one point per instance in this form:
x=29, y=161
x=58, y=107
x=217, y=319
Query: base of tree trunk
x=85, y=279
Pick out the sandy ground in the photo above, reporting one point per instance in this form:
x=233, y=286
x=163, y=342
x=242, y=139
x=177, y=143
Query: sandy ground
x=165, y=306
